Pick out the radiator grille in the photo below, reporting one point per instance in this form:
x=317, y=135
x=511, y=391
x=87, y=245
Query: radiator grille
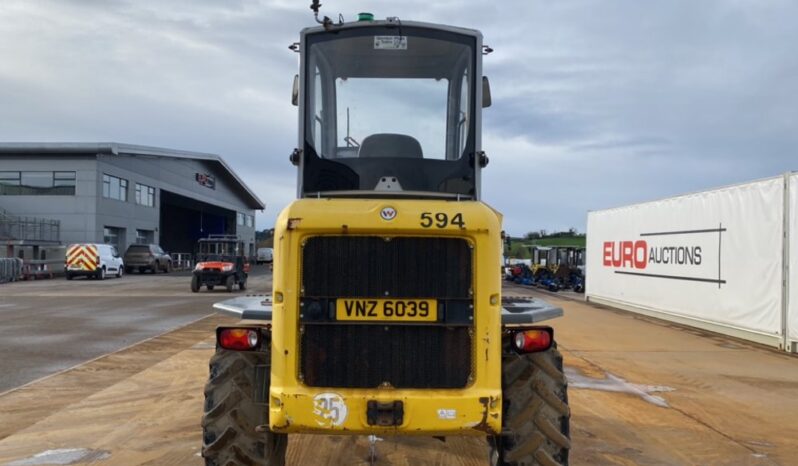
x=360, y=355
x=367, y=356
x=368, y=266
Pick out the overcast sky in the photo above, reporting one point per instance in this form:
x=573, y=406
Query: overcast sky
x=596, y=103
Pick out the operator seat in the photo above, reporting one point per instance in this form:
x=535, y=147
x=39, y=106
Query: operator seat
x=390, y=145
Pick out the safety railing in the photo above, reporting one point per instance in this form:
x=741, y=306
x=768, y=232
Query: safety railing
x=182, y=261
x=10, y=269
x=28, y=228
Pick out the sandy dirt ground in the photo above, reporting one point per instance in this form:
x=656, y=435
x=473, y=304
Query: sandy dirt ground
x=642, y=392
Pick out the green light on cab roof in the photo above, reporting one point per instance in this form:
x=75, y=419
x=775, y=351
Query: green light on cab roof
x=365, y=17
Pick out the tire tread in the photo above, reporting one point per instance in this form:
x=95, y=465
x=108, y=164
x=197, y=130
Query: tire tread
x=536, y=412
x=231, y=414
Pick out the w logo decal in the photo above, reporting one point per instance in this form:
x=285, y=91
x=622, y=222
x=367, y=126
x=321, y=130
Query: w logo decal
x=388, y=213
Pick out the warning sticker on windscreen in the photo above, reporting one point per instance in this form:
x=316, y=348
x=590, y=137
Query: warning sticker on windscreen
x=390, y=42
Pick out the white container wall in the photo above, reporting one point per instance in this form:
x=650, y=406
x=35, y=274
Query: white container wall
x=792, y=292
x=711, y=259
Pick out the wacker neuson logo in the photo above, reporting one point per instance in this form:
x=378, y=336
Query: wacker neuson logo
x=693, y=255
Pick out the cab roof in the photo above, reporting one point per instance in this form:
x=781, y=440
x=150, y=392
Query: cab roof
x=394, y=23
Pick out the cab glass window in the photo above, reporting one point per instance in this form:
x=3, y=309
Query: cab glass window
x=386, y=110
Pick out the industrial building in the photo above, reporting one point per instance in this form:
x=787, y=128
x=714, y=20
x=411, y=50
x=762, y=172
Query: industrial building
x=120, y=194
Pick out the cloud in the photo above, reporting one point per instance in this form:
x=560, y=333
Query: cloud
x=596, y=104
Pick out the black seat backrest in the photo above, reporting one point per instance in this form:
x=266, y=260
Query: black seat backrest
x=390, y=145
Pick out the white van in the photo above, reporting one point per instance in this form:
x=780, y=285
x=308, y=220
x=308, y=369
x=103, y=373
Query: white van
x=264, y=255
x=92, y=260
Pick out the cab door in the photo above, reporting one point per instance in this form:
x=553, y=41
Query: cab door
x=115, y=261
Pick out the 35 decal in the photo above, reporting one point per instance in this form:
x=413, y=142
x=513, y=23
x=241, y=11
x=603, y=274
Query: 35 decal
x=441, y=220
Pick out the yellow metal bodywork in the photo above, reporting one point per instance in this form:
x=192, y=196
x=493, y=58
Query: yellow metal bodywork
x=475, y=409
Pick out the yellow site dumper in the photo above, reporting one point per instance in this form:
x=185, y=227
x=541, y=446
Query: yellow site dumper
x=386, y=315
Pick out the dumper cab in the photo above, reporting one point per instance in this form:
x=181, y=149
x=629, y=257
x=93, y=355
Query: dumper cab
x=390, y=110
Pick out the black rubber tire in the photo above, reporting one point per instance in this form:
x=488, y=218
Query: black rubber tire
x=242, y=285
x=229, y=282
x=231, y=414
x=156, y=267
x=69, y=276
x=536, y=420
x=195, y=284
x=168, y=267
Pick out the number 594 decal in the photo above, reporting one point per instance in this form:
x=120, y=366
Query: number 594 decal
x=441, y=220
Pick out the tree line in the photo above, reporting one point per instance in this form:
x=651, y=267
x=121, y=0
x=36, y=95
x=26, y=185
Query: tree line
x=540, y=234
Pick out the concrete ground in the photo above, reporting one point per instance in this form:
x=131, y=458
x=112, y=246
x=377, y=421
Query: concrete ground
x=50, y=325
x=642, y=392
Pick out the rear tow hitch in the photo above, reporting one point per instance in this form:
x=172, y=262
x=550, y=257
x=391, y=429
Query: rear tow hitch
x=388, y=414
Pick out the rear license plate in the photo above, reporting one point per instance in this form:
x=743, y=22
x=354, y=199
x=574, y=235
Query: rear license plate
x=394, y=310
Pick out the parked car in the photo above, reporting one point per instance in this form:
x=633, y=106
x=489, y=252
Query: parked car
x=147, y=257
x=264, y=255
x=92, y=260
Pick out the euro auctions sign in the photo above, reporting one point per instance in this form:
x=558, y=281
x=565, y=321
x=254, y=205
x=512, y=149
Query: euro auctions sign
x=693, y=255
x=714, y=256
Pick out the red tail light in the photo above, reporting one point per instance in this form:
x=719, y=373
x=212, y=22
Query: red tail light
x=238, y=339
x=533, y=340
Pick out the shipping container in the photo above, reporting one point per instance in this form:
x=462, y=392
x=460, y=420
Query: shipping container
x=717, y=259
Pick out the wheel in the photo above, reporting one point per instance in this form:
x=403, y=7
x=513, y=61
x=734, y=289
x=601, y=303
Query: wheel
x=69, y=276
x=195, y=284
x=536, y=420
x=119, y=272
x=232, y=414
x=229, y=282
x=155, y=268
x=242, y=285
x=168, y=267
x=101, y=274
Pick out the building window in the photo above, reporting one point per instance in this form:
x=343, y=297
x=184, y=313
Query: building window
x=112, y=236
x=145, y=236
x=114, y=188
x=245, y=220
x=64, y=182
x=145, y=195
x=37, y=183
x=10, y=183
